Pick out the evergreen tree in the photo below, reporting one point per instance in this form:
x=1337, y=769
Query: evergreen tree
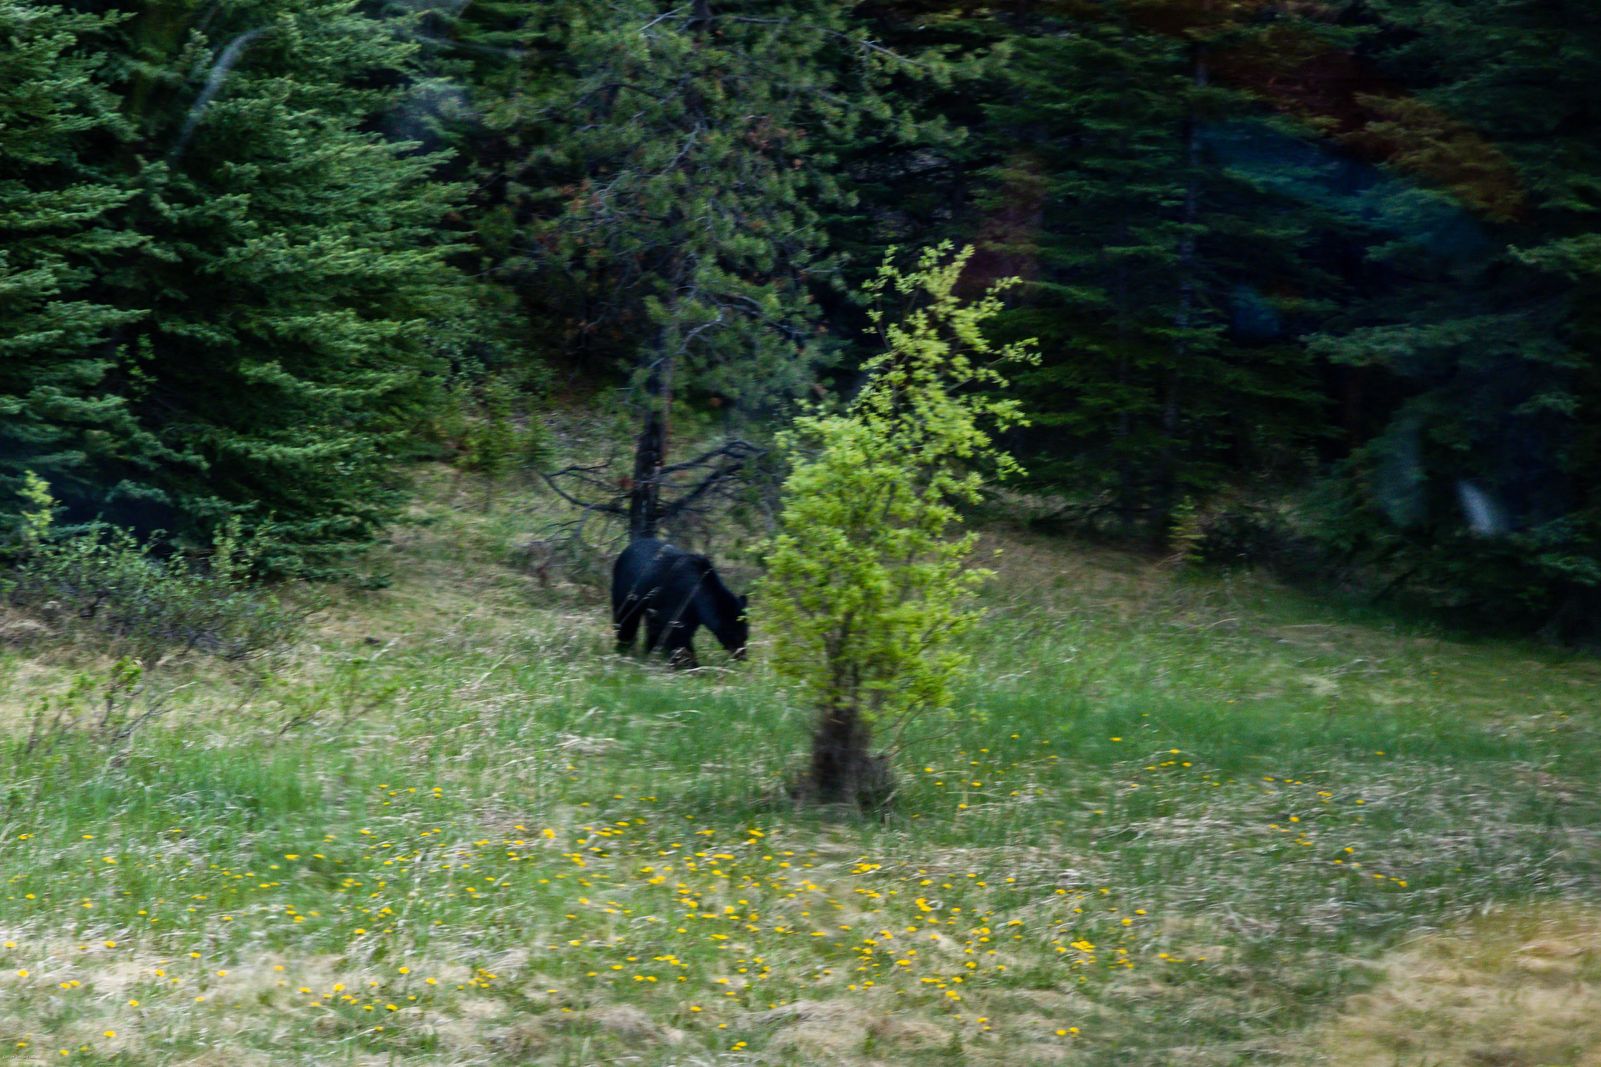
x=1482, y=487
x=472, y=63
x=675, y=162
x=1166, y=267
x=55, y=233
x=290, y=267
x=912, y=180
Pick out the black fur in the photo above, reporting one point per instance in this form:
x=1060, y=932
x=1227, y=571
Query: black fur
x=675, y=593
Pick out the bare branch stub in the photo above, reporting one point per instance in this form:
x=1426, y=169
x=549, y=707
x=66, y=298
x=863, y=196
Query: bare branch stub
x=587, y=476
x=714, y=471
x=688, y=488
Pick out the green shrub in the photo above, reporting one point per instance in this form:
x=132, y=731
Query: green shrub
x=148, y=602
x=865, y=580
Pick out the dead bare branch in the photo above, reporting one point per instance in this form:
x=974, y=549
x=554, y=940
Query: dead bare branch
x=584, y=474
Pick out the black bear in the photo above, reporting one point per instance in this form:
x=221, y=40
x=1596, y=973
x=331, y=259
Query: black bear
x=675, y=593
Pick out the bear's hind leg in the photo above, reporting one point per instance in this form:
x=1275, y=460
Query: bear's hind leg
x=655, y=628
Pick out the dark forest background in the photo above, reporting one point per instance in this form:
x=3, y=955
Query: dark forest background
x=1316, y=283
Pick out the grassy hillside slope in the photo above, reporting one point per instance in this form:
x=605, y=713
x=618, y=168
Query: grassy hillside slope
x=1182, y=820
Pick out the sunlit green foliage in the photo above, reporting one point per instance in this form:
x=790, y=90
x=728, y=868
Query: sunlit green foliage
x=1265, y=248
x=864, y=582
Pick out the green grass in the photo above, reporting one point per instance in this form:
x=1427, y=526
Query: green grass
x=1179, y=819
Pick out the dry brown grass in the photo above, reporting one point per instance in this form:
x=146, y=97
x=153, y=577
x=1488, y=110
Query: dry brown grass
x=1520, y=987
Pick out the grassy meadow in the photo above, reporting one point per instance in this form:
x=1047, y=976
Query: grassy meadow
x=1181, y=819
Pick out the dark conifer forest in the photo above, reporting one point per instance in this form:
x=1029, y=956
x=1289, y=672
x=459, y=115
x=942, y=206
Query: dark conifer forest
x=1315, y=284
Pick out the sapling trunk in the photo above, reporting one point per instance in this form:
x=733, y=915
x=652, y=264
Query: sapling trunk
x=843, y=768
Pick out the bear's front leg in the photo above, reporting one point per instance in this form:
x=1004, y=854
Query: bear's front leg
x=680, y=652
x=626, y=624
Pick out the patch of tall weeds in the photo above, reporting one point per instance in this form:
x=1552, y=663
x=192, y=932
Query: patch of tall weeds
x=141, y=599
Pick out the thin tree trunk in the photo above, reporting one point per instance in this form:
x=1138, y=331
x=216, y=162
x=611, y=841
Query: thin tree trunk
x=1168, y=483
x=842, y=770
x=1126, y=490
x=650, y=447
x=644, y=498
